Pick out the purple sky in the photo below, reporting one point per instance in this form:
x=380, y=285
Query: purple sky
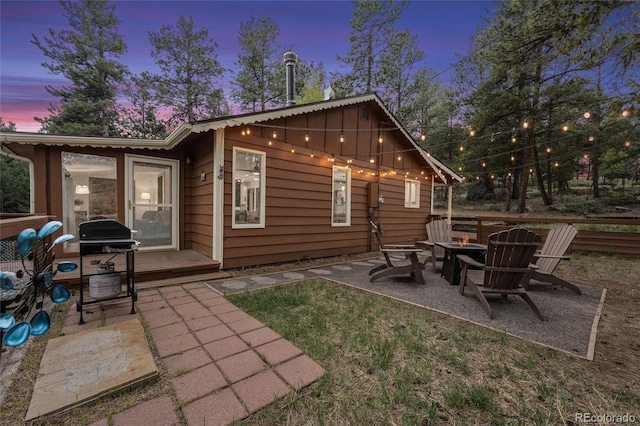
x=318, y=31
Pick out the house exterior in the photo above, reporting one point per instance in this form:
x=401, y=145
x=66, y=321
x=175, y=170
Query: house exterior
x=281, y=185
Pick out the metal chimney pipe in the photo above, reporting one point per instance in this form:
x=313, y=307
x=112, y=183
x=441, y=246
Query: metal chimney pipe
x=290, y=60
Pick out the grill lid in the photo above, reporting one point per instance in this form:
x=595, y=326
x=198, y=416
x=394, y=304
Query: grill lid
x=103, y=230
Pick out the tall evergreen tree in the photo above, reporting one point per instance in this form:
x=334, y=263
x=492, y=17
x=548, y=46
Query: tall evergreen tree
x=260, y=79
x=397, y=68
x=85, y=54
x=189, y=72
x=141, y=120
x=528, y=51
x=372, y=27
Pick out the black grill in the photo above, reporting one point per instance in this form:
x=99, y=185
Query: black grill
x=104, y=236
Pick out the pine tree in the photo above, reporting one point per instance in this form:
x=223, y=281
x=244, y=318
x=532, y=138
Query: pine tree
x=140, y=120
x=372, y=28
x=85, y=54
x=260, y=79
x=189, y=72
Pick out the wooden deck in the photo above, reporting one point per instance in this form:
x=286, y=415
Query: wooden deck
x=161, y=268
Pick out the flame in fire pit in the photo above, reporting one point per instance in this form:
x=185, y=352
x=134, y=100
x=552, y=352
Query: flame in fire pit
x=464, y=241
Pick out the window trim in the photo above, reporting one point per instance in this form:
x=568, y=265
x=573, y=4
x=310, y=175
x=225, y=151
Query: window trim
x=262, y=187
x=411, y=187
x=347, y=200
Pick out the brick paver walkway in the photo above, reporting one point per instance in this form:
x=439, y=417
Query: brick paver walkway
x=224, y=363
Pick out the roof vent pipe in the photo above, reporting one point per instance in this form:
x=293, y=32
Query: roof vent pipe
x=290, y=60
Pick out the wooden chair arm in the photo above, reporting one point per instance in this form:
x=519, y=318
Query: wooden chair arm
x=466, y=260
x=399, y=246
x=401, y=250
x=549, y=256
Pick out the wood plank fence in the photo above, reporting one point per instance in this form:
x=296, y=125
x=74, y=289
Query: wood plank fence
x=605, y=241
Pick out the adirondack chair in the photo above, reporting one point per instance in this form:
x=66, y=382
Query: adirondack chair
x=509, y=254
x=553, y=251
x=437, y=230
x=393, y=266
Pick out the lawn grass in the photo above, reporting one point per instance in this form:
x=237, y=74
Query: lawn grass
x=388, y=362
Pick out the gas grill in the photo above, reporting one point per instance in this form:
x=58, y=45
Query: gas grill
x=106, y=239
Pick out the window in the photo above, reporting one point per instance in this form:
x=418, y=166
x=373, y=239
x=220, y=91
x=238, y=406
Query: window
x=341, y=197
x=412, y=193
x=248, y=188
x=89, y=191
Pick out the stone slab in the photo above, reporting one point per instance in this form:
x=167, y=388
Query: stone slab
x=80, y=367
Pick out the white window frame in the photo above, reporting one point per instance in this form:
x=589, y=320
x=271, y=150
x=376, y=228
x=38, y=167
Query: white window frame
x=347, y=198
x=412, y=194
x=262, y=187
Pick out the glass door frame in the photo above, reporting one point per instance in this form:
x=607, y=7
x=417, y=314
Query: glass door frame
x=174, y=166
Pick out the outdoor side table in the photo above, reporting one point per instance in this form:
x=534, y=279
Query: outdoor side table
x=451, y=266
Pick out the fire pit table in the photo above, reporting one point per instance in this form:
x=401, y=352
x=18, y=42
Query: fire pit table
x=451, y=266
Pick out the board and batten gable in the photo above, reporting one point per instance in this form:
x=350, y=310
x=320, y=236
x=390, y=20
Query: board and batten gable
x=298, y=198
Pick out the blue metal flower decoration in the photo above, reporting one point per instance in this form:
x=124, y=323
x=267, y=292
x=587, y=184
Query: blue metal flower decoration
x=20, y=289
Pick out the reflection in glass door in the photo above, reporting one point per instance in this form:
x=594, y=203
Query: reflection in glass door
x=152, y=201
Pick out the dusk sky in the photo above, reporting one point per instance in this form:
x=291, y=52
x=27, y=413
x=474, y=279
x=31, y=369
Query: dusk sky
x=318, y=31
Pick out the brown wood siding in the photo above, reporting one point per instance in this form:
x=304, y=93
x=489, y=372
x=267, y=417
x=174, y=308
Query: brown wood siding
x=198, y=200
x=298, y=188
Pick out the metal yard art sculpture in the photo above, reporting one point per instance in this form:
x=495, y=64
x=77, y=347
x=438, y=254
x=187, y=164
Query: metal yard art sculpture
x=20, y=289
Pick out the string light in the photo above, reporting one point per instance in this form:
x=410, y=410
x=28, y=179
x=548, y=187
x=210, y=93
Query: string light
x=472, y=133
x=306, y=137
x=341, y=137
x=275, y=134
x=380, y=138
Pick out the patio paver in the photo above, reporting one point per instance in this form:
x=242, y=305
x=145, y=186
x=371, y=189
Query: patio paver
x=214, y=352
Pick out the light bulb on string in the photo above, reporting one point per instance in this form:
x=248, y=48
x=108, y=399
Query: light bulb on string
x=341, y=137
x=380, y=138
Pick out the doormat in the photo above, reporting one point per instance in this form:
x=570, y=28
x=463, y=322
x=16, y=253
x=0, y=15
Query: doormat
x=81, y=367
